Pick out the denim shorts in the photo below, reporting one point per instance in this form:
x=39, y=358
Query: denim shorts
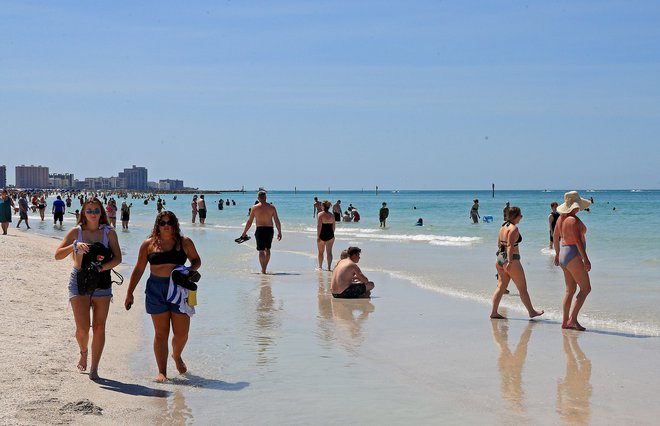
x=73, y=287
x=156, y=296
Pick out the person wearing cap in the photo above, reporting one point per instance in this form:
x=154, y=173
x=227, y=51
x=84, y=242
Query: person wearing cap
x=571, y=254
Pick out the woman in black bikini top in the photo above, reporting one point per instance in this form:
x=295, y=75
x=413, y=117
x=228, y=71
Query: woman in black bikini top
x=509, y=267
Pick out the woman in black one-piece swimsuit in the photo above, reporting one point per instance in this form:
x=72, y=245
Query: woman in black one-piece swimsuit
x=325, y=232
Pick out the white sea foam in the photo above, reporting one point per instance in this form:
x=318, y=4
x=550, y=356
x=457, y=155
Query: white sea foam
x=375, y=234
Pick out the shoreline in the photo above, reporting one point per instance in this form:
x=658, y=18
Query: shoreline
x=281, y=342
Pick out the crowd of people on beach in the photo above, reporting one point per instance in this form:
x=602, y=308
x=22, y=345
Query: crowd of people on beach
x=94, y=248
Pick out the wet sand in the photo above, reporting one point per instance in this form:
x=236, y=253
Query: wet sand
x=286, y=352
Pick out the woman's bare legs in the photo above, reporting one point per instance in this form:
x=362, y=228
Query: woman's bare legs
x=180, y=329
x=161, y=336
x=328, y=252
x=517, y=274
x=100, y=308
x=321, y=246
x=575, y=275
x=80, y=306
x=503, y=280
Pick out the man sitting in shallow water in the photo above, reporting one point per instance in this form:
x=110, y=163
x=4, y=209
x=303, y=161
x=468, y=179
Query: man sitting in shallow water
x=348, y=281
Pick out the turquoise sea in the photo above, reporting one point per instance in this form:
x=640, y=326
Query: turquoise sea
x=448, y=254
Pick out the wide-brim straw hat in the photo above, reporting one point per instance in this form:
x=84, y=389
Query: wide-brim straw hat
x=572, y=200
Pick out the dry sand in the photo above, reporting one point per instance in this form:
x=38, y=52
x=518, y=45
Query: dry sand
x=39, y=383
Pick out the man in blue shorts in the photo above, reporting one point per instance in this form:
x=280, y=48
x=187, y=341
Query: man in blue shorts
x=58, y=209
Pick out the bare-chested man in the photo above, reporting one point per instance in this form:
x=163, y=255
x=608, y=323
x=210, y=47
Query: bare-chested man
x=318, y=207
x=348, y=281
x=201, y=208
x=265, y=214
x=336, y=210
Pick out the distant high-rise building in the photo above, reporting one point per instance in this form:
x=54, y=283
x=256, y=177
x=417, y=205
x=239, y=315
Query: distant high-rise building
x=31, y=176
x=3, y=176
x=135, y=178
x=61, y=180
x=170, y=184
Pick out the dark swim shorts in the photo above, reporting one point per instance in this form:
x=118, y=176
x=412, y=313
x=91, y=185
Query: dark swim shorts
x=202, y=213
x=353, y=291
x=264, y=237
x=156, y=296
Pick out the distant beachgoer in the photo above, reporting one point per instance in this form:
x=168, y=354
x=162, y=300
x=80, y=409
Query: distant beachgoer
x=347, y=216
x=571, y=254
x=233, y=203
x=474, y=212
x=58, y=209
x=6, y=206
x=317, y=207
x=165, y=249
x=221, y=204
x=159, y=205
x=552, y=220
x=41, y=205
x=505, y=211
x=201, y=205
x=509, y=267
x=193, y=205
x=265, y=214
x=23, y=210
x=77, y=213
x=355, y=215
x=383, y=214
x=420, y=222
x=125, y=214
x=68, y=201
x=348, y=281
x=111, y=210
x=92, y=244
x=325, y=234
x=227, y=203
x=336, y=210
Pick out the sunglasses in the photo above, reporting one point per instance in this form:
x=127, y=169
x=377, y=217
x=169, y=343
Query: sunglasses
x=95, y=211
x=166, y=223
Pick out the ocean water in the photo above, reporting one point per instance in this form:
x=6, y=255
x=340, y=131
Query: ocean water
x=448, y=254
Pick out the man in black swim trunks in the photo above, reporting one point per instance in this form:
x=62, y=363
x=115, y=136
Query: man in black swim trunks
x=265, y=214
x=348, y=281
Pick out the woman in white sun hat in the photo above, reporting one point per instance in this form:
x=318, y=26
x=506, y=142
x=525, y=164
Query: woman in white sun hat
x=571, y=254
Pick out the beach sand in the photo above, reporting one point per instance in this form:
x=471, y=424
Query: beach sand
x=286, y=352
x=39, y=382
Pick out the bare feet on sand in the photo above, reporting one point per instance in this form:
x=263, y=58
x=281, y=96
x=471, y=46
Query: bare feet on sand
x=82, y=363
x=573, y=326
x=161, y=378
x=180, y=365
x=536, y=314
x=497, y=316
x=93, y=374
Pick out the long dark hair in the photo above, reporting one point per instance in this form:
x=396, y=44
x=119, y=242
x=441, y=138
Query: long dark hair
x=103, y=218
x=155, y=232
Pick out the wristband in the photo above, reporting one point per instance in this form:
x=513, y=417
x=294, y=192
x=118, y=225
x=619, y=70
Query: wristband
x=75, y=246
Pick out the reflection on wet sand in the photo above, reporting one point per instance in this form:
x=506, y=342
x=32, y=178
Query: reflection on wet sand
x=510, y=364
x=574, y=390
x=337, y=317
x=266, y=322
x=175, y=411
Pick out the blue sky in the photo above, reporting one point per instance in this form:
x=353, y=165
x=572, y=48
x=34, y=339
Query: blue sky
x=340, y=94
